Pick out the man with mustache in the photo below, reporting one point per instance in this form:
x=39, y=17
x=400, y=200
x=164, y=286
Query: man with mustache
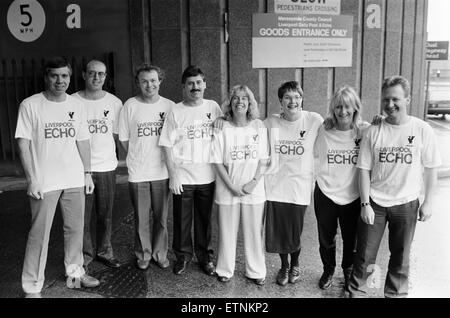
x=53, y=139
x=141, y=121
x=392, y=158
x=102, y=110
x=186, y=138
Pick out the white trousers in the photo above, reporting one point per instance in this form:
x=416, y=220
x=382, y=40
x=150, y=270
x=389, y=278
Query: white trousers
x=252, y=226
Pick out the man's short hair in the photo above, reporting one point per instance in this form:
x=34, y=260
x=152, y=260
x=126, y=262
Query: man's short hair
x=93, y=61
x=392, y=81
x=191, y=71
x=289, y=86
x=145, y=67
x=56, y=62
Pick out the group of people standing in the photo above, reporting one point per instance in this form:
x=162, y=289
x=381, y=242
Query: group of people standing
x=259, y=173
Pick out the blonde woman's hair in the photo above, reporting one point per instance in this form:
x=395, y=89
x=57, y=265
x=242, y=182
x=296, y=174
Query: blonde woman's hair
x=345, y=95
x=252, y=111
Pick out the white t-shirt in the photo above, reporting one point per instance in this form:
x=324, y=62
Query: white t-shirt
x=396, y=155
x=188, y=130
x=140, y=124
x=337, y=153
x=239, y=149
x=53, y=129
x=103, y=122
x=289, y=178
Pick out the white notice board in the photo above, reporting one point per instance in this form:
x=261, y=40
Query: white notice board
x=298, y=41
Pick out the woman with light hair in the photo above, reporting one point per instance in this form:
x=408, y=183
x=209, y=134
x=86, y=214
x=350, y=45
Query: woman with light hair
x=239, y=152
x=336, y=195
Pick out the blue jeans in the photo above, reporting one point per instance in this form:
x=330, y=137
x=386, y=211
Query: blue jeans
x=100, y=203
x=402, y=221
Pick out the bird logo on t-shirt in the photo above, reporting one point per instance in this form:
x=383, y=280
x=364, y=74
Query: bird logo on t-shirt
x=71, y=114
x=105, y=113
x=161, y=115
x=255, y=137
x=410, y=139
x=208, y=115
x=302, y=133
x=357, y=141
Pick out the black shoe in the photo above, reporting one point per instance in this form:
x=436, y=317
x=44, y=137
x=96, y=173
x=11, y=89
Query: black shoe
x=283, y=276
x=208, y=268
x=180, y=267
x=294, y=274
x=110, y=262
x=326, y=280
x=347, y=276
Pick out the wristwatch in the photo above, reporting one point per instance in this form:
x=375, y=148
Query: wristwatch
x=363, y=204
x=88, y=172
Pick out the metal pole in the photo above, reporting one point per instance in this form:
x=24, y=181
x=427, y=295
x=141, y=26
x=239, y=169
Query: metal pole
x=427, y=93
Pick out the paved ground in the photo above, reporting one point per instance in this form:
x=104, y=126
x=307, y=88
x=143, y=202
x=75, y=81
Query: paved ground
x=14, y=225
x=430, y=257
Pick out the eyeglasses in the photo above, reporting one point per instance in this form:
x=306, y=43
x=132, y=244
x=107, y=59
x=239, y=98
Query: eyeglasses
x=93, y=73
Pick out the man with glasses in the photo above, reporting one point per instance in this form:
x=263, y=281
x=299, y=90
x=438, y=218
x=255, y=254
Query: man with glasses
x=102, y=110
x=53, y=140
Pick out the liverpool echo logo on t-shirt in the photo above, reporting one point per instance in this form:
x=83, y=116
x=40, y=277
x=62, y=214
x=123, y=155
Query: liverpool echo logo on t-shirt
x=60, y=129
x=151, y=128
x=200, y=129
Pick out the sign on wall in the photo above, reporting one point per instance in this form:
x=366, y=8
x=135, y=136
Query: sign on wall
x=437, y=50
x=297, y=41
x=26, y=20
x=308, y=6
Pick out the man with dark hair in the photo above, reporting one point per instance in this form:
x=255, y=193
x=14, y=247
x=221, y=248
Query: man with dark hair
x=53, y=140
x=392, y=159
x=141, y=121
x=102, y=109
x=186, y=138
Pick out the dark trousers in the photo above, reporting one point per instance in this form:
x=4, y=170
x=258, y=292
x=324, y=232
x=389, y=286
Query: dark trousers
x=328, y=215
x=197, y=200
x=402, y=224
x=100, y=203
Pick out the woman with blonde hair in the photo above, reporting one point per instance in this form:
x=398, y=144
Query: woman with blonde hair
x=336, y=195
x=239, y=152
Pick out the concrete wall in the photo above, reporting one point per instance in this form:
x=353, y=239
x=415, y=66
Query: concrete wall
x=389, y=38
x=183, y=32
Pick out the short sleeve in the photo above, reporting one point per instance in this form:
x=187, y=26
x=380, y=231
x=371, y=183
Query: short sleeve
x=124, y=123
x=168, y=132
x=318, y=144
x=264, y=141
x=217, y=147
x=83, y=127
x=24, y=126
x=117, y=108
x=218, y=111
x=365, y=157
x=431, y=157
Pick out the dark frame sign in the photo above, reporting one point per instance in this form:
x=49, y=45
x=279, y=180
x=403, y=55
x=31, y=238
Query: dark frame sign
x=437, y=50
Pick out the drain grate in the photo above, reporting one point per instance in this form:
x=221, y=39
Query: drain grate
x=124, y=282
